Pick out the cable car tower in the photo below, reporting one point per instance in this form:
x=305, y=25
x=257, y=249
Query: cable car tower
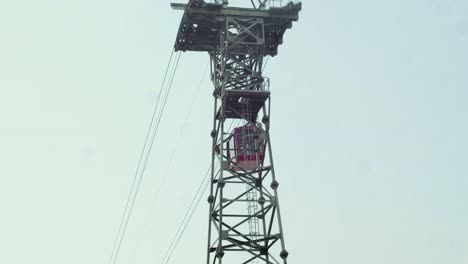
x=245, y=223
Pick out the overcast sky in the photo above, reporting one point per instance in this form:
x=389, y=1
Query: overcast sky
x=369, y=132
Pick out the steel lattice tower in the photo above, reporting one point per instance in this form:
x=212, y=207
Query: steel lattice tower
x=244, y=213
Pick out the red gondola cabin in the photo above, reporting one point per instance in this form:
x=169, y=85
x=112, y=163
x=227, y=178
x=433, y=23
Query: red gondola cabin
x=246, y=148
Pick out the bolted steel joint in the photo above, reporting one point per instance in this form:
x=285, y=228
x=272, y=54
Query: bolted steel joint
x=284, y=254
x=219, y=253
x=258, y=183
x=274, y=185
x=211, y=199
x=265, y=120
x=263, y=250
x=261, y=200
x=221, y=184
x=213, y=133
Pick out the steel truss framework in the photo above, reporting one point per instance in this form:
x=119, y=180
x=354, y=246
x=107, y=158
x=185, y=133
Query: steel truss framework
x=245, y=223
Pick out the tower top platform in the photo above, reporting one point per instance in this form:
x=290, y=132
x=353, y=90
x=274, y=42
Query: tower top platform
x=201, y=23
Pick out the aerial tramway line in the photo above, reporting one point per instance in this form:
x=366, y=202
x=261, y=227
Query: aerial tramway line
x=245, y=224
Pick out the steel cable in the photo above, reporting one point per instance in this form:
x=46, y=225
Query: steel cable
x=140, y=170
x=190, y=211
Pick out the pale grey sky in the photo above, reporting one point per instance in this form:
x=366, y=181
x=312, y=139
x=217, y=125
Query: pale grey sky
x=369, y=130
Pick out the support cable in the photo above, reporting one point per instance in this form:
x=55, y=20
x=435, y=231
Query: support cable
x=145, y=153
x=186, y=219
x=193, y=205
x=174, y=151
x=190, y=211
